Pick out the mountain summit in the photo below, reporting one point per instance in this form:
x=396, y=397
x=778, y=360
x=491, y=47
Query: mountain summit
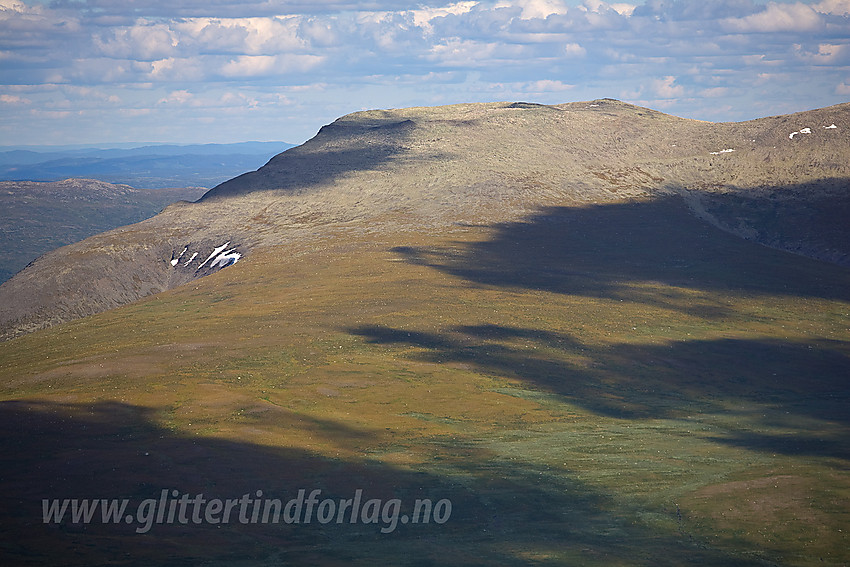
x=781, y=181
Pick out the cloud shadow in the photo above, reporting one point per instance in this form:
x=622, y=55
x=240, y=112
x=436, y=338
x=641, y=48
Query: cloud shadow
x=624, y=250
x=500, y=510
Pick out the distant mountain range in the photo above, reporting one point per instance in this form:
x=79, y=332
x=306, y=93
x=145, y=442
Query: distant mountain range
x=141, y=166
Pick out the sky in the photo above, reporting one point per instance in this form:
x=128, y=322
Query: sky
x=203, y=71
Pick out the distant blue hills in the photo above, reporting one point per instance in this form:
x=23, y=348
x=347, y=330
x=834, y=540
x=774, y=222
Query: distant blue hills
x=152, y=166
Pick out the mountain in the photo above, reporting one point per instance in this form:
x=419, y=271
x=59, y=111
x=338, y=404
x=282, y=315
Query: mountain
x=589, y=333
x=39, y=217
x=149, y=166
x=436, y=168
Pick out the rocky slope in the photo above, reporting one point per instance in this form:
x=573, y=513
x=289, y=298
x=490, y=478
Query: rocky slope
x=781, y=181
x=38, y=217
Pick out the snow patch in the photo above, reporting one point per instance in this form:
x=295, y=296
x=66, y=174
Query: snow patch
x=802, y=131
x=726, y=151
x=214, y=253
x=220, y=257
x=226, y=259
x=175, y=261
x=830, y=127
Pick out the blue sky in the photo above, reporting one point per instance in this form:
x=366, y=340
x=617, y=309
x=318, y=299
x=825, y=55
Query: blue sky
x=194, y=71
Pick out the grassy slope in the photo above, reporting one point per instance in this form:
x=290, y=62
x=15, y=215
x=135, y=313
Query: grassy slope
x=590, y=386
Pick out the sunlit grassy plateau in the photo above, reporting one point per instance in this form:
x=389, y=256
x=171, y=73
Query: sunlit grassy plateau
x=617, y=383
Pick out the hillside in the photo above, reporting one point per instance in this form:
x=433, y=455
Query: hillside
x=433, y=168
x=603, y=338
x=39, y=217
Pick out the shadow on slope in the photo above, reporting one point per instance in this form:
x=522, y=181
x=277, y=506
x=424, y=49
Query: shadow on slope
x=654, y=253
x=500, y=510
x=614, y=250
x=807, y=218
x=800, y=389
x=339, y=148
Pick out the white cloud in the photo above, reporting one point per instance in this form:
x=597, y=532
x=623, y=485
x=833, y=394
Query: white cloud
x=531, y=9
x=144, y=41
x=574, y=50
x=624, y=9
x=93, y=95
x=666, y=87
x=715, y=92
x=599, y=6
x=13, y=99
x=177, y=97
x=162, y=67
x=51, y=114
x=170, y=62
x=262, y=65
x=826, y=54
x=272, y=35
x=754, y=59
x=12, y=6
x=547, y=85
x=147, y=40
x=237, y=99
x=305, y=88
x=180, y=69
x=836, y=7
x=250, y=66
x=777, y=18
x=768, y=78
x=468, y=53
x=209, y=35
x=423, y=16
x=320, y=33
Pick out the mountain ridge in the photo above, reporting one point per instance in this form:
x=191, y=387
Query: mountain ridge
x=436, y=168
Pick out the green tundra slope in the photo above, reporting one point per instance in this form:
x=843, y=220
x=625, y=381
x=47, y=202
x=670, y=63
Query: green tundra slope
x=561, y=320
